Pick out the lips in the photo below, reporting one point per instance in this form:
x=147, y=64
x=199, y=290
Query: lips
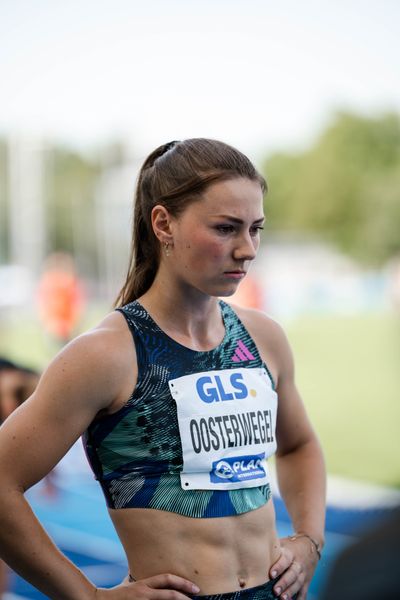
x=236, y=274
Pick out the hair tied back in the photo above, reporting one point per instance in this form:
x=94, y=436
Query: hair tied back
x=169, y=145
x=158, y=153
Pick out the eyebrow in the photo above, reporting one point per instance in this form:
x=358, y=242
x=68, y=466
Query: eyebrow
x=236, y=220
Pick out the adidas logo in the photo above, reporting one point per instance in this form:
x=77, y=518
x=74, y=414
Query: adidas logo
x=242, y=353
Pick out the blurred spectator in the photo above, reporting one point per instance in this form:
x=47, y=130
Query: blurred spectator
x=367, y=570
x=17, y=383
x=249, y=294
x=60, y=296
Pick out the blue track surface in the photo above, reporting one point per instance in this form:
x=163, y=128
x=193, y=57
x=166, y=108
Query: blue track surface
x=78, y=522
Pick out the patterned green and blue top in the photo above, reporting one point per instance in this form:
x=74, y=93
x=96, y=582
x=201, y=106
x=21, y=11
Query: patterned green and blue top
x=136, y=453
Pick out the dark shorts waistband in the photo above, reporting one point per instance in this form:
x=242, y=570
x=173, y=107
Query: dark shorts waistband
x=260, y=592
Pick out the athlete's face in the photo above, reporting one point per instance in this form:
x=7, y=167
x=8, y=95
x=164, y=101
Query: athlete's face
x=216, y=238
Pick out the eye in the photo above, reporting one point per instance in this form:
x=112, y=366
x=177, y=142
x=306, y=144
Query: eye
x=225, y=229
x=256, y=230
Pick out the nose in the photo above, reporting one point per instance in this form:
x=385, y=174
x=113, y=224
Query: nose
x=246, y=248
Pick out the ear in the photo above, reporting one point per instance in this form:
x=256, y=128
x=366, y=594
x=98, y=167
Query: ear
x=161, y=222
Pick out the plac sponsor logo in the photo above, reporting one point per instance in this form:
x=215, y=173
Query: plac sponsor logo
x=238, y=468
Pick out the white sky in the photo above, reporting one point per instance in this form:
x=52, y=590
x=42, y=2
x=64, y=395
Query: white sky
x=260, y=74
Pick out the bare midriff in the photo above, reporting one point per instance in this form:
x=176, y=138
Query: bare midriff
x=219, y=554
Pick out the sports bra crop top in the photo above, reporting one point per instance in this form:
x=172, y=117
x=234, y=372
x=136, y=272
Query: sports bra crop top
x=195, y=434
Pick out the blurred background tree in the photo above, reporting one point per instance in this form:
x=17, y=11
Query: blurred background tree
x=344, y=190
x=70, y=210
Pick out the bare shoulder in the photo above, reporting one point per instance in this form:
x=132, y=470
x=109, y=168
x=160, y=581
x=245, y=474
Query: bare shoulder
x=98, y=365
x=270, y=338
x=108, y=340
x=261, y=326
x=91, y=375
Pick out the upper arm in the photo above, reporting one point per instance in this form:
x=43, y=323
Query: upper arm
x=89, y=375
x=293, y=427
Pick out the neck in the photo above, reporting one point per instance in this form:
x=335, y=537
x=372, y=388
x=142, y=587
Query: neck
x=191, y=318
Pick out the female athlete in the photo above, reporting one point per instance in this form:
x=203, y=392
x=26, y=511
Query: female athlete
x=181, y=399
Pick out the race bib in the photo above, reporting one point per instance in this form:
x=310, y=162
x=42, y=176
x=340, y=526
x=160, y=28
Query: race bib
x=227, y=425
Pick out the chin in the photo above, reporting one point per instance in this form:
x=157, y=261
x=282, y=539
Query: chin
x=224, y=292
x=220, y=291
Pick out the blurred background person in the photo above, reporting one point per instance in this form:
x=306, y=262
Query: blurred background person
x=61, y=297
x=17, y=383
x=368, y=569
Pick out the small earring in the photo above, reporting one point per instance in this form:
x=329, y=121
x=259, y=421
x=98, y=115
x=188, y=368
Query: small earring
x=166, y=248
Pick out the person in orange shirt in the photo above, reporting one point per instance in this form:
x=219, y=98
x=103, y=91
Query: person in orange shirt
x=61, y=297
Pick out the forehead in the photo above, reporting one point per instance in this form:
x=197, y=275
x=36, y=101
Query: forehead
x=235, y=197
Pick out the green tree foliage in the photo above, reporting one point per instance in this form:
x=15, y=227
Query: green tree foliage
x=345, y=189
x=70, y=182
x=69, y=193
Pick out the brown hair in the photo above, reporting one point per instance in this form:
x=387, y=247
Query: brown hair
x=174, y=175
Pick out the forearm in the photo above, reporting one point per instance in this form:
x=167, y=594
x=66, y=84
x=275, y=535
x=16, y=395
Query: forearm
x=302, y=483
x=26, y=547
